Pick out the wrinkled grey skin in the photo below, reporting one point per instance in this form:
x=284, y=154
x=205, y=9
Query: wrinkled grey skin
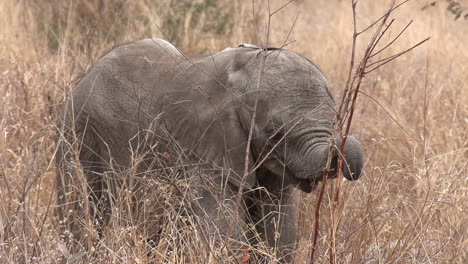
x=205, y=105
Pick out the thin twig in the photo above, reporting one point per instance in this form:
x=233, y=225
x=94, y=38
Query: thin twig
x=285, y=43
x=351, y=64
x=391, y=58
x=337, y=127
x=317, y=218
x=255, y=23
x=381, y=35
x=390, y=115
x=425, y=112
x=391, y=42
x=386, y=14
x=377, y=37
x=246, y=172
x=251, y=130
x=283, y=6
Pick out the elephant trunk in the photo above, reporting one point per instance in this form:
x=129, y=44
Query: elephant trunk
x=353, y=161
x=316, y=160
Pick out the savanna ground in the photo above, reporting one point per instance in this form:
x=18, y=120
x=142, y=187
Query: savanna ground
x=410, y=206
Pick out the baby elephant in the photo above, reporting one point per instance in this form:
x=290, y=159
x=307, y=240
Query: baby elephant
x=256, y=122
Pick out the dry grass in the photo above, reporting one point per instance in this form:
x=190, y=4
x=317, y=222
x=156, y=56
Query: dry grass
x=410, y=206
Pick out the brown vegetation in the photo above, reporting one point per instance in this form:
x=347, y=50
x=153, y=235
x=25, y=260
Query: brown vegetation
x=410, y=206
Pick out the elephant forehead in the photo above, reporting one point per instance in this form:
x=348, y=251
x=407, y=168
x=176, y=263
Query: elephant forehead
x=303, y=96
x=290, y=61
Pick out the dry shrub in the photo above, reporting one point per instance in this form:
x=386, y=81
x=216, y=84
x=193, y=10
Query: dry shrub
x=409, y=206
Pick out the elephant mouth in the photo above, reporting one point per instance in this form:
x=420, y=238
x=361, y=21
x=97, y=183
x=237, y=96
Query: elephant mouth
x=306, y=186
x=308, y=183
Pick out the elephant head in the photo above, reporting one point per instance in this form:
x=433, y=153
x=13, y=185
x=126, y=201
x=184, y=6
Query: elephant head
x=294, y=117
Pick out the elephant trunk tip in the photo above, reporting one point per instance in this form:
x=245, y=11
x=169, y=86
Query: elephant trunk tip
x=353, y=159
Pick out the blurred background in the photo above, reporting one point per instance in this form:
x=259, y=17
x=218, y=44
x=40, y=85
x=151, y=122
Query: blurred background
x=410, y=206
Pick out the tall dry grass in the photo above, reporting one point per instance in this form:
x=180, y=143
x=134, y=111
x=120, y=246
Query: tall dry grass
x=410, y=206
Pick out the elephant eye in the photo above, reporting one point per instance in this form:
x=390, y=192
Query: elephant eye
x=274, y=133
x=275, y=137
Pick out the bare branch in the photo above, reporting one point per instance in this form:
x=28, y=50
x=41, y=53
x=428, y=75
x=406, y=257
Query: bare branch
x=255, y=23
x=388, y=13
x=261, y=69
x=317, y=217
x=346, y=112
x=290, y=30
x=381, y=35
x=376, y=38
x=267, y=33
x=351, y=64
x=279, y=9
x=390, y=115
x=391, y=42
x=391, y=58
x=285, y=43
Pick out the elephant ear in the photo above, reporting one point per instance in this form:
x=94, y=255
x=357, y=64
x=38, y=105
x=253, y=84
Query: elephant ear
x=235, y=155
x=224, y=145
